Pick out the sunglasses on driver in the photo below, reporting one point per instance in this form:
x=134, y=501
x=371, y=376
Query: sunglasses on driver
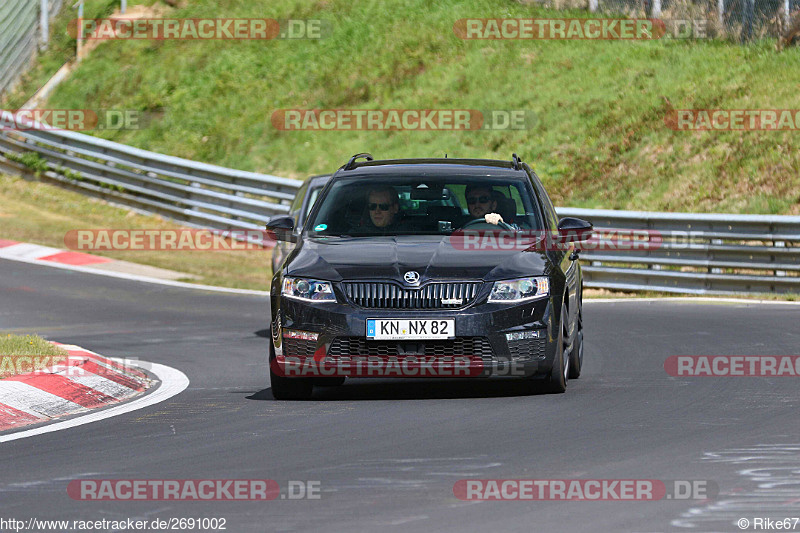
x=478, y=200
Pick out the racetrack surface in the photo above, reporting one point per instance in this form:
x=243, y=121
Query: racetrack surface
x=387, y=453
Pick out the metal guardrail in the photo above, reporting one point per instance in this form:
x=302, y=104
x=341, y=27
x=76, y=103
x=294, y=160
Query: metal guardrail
x=693, y=253
x=19, y=21
x=23, y=27
x=675, y=252
x=197, y=194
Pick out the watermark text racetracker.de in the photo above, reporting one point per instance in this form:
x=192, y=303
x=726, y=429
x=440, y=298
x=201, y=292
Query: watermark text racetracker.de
x=65, y=365
x=23, y=364
x=375, y=366
x=193, y=29
x=579, y=29
x=733, y=365
x=557, y=29
x=540, y=240
x=733, y=119
x=73, y=119
x=192, y=490
x=584, y=489
x=402, y=119
x=183, y=239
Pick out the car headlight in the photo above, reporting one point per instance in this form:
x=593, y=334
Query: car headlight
x=308, y=289
x=519, y=290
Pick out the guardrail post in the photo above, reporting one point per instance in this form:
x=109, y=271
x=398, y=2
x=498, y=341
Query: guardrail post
x=748, y=15
x=655, y=12
x=780, y=244
x=711, y=256
x=44, y=24
x=652, y=266
x=79, y=40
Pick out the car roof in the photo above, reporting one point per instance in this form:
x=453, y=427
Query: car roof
x=434, y=161
x=435, y=167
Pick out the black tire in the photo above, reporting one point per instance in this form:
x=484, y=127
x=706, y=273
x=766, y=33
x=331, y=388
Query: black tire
x=284, y=388
x=556, y=382
x=576, y=354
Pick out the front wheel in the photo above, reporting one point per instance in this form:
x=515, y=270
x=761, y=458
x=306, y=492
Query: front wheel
x=284, y=388
x=556, y=382
x=576, y=354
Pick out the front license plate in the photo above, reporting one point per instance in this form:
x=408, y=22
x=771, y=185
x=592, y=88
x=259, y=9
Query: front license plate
x=394, y=329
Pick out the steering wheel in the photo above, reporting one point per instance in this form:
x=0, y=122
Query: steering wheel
x=480, y=223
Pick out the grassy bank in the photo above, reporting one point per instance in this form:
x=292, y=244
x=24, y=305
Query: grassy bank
x=600, y=139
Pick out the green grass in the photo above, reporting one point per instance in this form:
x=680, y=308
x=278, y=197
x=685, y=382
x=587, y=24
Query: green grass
x=600, y=140
x=14, y=350
x=41, y=213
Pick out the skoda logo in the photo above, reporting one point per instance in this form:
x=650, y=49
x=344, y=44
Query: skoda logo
x=411, y=277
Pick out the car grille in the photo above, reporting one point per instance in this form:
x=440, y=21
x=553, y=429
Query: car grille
x=343, y=348
x=385, y=295
x=527, y=350
x=298, y=347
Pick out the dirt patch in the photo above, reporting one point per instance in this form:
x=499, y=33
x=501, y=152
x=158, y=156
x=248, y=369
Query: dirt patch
x=133, y=13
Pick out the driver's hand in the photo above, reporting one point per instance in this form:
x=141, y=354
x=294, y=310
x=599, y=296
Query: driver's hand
x=493, y=218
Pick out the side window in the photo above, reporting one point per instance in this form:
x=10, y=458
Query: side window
x=520, y=208
x=549, y=210
x=297, y=204
x=312, y=197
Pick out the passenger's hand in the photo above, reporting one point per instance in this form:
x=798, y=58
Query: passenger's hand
x=493, y=218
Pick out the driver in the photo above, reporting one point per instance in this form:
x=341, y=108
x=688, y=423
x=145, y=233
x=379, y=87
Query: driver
x=481, y=204
x=383, y=204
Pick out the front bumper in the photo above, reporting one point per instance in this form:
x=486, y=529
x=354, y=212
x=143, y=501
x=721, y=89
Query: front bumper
x=329, y=339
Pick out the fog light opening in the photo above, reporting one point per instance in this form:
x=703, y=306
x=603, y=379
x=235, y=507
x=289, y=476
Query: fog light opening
x=302, y=335
x=524, y=335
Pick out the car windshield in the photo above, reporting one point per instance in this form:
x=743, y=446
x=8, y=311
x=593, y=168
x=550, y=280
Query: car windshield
x=382, y=205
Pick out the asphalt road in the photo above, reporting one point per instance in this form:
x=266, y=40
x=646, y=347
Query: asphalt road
x=387, y=453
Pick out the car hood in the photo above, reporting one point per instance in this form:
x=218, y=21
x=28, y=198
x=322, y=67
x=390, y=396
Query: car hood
x=433, y=257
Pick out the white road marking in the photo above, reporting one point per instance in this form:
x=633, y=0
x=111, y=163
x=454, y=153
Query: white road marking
x=37, y=402
x=24, y=250
x=101, y=384
x=132, y=277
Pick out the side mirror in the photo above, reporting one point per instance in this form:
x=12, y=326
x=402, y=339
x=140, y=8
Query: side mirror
x=281, y=227
x=574, y=230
